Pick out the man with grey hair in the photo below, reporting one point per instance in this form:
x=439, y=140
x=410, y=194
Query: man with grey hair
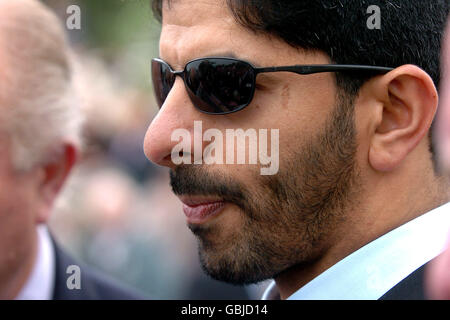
x=39, y=143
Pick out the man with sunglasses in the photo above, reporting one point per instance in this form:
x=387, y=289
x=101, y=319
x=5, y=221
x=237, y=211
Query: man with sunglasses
x=358, y=206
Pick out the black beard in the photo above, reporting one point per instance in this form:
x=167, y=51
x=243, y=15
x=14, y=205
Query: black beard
x=286, y=217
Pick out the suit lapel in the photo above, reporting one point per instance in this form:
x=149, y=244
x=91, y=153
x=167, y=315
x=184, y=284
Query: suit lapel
x=410, y=288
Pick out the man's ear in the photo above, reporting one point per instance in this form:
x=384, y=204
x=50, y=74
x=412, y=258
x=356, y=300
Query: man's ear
x=53, y=175
x=408, y=105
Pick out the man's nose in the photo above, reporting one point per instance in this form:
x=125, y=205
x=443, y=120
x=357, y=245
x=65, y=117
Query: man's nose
x=177, y=112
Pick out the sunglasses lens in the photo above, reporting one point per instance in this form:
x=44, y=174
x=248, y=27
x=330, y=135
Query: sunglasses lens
x=163, y=80
x=220, y=86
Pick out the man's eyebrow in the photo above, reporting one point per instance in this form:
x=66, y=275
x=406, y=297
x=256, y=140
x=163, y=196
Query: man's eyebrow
x=230, y=54
x=219, y=54
x=226, y=54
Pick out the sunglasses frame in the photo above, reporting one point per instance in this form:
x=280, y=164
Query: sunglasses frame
x=299, y=69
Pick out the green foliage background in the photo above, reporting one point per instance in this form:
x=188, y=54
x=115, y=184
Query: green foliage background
x=123, y=32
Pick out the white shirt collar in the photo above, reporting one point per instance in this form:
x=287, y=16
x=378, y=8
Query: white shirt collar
x=371, y=271
x=40, y=284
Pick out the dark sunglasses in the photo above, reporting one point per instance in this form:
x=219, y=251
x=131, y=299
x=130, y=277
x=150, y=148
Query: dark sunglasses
x=226, y=85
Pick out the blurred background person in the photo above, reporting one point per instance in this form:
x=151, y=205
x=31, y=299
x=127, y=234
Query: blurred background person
x=438, y=274
x=40, y=140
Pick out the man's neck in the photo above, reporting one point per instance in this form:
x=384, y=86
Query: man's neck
x=297, y=276
x=356, y=236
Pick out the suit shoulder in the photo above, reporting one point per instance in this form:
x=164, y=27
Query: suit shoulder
x=93, y=285
x=410, y=288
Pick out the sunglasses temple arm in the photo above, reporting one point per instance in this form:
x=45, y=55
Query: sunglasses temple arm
x=310, y=69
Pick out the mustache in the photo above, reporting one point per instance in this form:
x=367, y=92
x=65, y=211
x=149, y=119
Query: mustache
x=195, y=180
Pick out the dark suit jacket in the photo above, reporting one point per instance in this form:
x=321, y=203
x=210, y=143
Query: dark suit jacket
x=410, y=288
x=94, y=285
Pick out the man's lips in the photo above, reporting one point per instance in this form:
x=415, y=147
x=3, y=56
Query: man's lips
x=198, y=210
